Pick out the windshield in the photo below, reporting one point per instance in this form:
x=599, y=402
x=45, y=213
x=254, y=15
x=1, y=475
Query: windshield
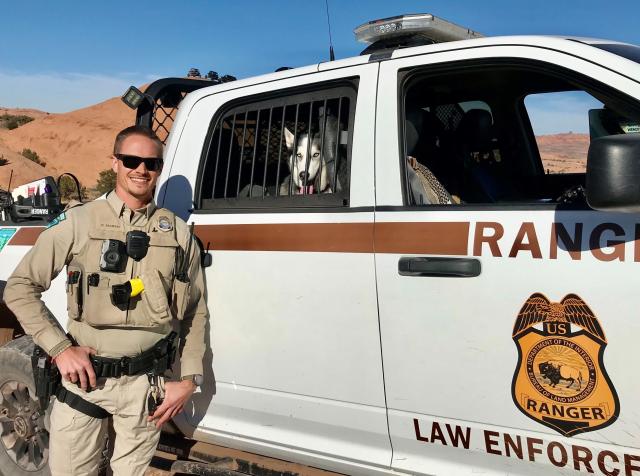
x=626, y=51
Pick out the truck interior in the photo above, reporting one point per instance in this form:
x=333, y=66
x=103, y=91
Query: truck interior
x=469, y=126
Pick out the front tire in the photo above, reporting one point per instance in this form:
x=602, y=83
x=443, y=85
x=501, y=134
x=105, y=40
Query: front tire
x=24, y=435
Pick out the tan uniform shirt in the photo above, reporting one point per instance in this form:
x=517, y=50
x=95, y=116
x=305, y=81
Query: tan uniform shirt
x=126, y=334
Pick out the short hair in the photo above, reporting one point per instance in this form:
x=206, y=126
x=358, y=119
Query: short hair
x=142, y=131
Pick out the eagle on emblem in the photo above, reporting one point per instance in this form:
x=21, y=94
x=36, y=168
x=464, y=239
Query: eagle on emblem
x=571, y=309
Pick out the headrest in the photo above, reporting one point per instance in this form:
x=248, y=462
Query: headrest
x=412, y=128
x=476, y=129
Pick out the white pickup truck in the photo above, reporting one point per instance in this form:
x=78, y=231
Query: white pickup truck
x=408, y=275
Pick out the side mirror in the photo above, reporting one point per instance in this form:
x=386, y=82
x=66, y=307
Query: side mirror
x=613, y=173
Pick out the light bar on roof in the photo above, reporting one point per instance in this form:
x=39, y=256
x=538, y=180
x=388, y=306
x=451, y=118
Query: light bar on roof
x=424, y=25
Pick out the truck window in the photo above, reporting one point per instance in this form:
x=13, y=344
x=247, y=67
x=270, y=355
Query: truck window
x=501, y=133
x=284, y=151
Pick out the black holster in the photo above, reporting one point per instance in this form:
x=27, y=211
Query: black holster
x=46, y=376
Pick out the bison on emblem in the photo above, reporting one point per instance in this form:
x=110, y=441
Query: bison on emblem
x=556, y=371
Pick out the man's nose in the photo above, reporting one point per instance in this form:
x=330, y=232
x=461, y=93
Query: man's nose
x=142, y=167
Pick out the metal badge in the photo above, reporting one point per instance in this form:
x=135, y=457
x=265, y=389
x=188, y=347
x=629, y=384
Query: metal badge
x=164, y=224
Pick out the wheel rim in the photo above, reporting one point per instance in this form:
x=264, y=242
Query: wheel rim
x=22, y=431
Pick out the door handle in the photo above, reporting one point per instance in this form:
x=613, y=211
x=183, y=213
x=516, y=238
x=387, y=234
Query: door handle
x=439, y=267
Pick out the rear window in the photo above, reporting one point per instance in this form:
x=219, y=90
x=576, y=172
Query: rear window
x=259, y=154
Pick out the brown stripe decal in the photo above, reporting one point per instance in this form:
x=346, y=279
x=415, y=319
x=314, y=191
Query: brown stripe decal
x=440, y=238
x=324, y=237
x=413, y=238
x=26, y=236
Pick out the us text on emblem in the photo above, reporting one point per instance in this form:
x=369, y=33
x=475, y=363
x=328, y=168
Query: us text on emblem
x=560, y=380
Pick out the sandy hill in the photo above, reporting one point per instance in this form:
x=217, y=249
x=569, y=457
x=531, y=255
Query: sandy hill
x=79, y=142
x=564, y=153
x=24, y=170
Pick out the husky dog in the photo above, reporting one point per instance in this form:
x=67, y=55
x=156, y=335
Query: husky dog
x=314, y=173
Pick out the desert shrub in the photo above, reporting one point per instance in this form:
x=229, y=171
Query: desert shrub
x=68, y=189
x=33, y=156
x=106, y=181
x=12, y=121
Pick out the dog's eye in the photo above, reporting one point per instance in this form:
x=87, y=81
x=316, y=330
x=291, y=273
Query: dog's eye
x=316, y=154
x=299, y=155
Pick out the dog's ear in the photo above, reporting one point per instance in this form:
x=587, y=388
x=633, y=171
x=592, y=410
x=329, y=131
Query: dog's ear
x=288, y=138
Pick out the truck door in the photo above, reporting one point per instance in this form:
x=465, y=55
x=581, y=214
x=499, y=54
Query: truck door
x=508, y=308
x=294, y=326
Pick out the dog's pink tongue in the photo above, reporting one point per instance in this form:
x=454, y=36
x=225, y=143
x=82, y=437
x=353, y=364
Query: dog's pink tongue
x=307, y=190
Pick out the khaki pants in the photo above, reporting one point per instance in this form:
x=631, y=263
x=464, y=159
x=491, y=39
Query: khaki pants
x=76, y=441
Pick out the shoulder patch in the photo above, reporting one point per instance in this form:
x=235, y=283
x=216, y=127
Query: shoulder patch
x=63, y=215
x=58, y=219
x=5, y=235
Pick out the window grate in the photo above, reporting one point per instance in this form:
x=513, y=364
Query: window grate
x=285, y=149
x=163, y=118
x=450, y=115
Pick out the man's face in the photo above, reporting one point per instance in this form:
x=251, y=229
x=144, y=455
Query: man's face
x=137, y=183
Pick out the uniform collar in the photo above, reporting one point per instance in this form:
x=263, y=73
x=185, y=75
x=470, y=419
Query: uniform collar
x=119, y=206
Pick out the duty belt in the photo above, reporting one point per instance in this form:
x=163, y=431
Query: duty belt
x=155, y=360
x=47, y=377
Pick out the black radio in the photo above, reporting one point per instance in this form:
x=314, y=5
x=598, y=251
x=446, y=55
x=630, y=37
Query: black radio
x=137, y=244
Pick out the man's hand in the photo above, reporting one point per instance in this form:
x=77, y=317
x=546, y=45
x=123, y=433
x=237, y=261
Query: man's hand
x=74, y=365
x=176, y=395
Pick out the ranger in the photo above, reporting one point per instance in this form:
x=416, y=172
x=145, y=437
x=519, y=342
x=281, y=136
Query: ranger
x=132, y=270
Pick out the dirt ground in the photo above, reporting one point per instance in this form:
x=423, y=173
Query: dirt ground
x=161, y=464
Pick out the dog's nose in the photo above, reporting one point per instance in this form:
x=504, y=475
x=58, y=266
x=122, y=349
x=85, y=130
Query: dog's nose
x=303, y=176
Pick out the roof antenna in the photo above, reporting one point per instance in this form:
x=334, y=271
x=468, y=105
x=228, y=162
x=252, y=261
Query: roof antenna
x=332, y=56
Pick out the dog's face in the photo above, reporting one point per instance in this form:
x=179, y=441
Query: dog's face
x=304, y=175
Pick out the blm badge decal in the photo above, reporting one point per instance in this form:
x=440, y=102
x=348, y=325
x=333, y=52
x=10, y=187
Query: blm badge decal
x=560, y=380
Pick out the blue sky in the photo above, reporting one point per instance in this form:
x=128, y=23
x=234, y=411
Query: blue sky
x=66, y=54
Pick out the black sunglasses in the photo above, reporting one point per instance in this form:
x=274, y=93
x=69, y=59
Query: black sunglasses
x=133, y=162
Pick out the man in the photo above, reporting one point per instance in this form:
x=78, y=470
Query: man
x=112, y=249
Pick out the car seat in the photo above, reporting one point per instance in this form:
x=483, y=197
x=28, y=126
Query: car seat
x=478, y=160
x=421, y=137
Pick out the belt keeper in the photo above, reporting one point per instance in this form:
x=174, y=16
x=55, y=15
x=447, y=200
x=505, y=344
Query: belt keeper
x=117, y=370
x=125, y=364
x=97, y=367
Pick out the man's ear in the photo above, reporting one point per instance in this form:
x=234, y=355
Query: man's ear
x=114, y=164
x=288, y=138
